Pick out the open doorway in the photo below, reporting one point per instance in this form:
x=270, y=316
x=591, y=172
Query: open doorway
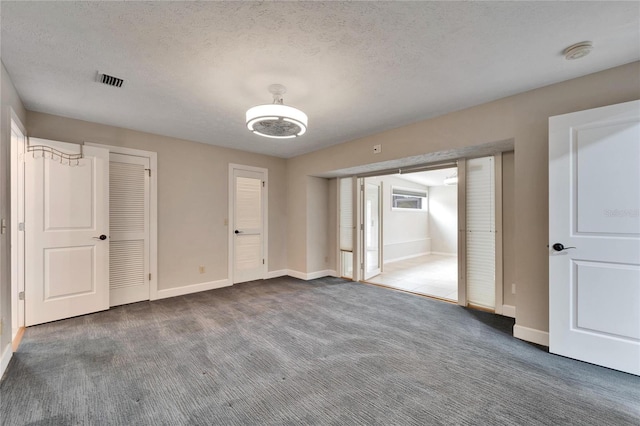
x=417, y=240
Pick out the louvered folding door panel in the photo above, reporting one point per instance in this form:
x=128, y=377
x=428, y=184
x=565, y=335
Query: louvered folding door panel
x=346, y=227
x=481, y=232
x=129, y=229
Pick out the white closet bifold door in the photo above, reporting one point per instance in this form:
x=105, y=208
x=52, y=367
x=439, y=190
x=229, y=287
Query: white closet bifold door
x=481, y=232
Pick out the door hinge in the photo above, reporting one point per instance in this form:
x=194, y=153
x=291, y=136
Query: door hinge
x=149, y=277
x=263, y=261
x=21, y=226
x=21, y=295
x=149, y=170
x=362, y=226
x=263, y=184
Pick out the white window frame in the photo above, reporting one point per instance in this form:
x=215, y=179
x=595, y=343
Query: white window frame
x=425, y=201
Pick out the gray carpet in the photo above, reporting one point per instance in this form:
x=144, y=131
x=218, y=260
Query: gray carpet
x=285, y=351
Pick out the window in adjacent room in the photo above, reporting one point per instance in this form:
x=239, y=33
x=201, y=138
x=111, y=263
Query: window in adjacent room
x=408, y=199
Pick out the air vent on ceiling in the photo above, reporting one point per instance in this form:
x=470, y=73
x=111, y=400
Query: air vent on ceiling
x=110, y=80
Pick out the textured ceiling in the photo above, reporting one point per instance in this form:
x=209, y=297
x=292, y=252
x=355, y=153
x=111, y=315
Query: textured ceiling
x=191, y=69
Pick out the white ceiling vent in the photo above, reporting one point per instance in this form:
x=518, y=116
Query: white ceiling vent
x=110, y=80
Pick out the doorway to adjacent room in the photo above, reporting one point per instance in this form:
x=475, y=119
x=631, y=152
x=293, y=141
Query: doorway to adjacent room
x=419, y=232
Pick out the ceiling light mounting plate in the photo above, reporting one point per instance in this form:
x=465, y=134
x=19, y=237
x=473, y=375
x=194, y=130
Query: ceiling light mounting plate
x=277, y=90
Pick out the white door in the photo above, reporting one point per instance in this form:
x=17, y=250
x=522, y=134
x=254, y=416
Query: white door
x=66, y=227
x=372, y=209
x=248, y=225
x=594, y=236
x=128, y=229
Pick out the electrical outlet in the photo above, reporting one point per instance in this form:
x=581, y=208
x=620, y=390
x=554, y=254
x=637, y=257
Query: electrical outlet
x=377, y=149
x=513, y=289
x=201, y=269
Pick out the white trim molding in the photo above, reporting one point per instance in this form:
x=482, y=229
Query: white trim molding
x=442, y=253
x=398, y=259
x=312, y=275
x=276, y=274
x=193, y=288
x=6, y=357
x=531, y=335
x=509, y=311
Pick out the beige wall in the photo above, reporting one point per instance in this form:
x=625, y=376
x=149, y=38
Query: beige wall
x=332, y=209
x=192, y=196
x=508, y=227
x=10, y=100
x=318, y=230
x=192, y=183
x=523, y=118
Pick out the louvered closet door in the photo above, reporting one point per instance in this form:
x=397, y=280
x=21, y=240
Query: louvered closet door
x=129, y=229
x=481, y=232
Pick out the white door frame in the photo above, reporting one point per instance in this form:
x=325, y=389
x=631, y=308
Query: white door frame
x=462, y=232
x=153, y=208
x=265, y=218
x=358, y=250
x=499, y=286
x=363, y=261
x=17, y=152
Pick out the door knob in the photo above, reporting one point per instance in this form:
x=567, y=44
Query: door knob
x=101, y=237
x=238, y=232
x=560, y=247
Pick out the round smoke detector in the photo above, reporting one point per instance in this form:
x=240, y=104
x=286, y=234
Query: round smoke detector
x=277, y=120
x=578, y=50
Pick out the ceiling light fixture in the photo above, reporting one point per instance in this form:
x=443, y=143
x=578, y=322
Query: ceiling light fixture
x=277, y=120
x=578, y=50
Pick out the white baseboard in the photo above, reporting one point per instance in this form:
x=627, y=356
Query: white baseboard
x=6, y=357
x=297, y=274
x=531, y=335
x=397, y=259
x=193, y=288
x=311, y=275
x=276, y=274
x=212, y=285
x=509, y=311
x=441, y=253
